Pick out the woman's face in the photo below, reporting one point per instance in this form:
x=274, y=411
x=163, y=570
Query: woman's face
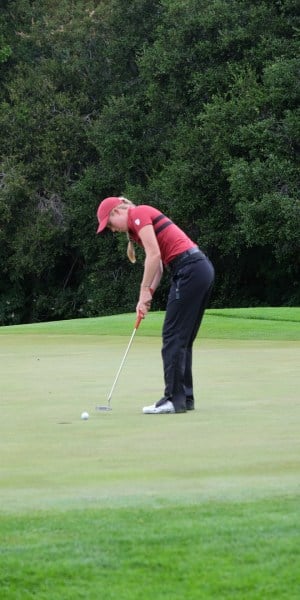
x=117, y=221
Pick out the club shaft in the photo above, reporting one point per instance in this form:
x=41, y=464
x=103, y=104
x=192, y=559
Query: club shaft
x=121, y=366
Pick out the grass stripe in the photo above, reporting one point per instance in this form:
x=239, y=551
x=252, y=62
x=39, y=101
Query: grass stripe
x=271, y=324
x=206, y=552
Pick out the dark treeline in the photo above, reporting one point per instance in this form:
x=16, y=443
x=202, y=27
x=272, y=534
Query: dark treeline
x=190, y=105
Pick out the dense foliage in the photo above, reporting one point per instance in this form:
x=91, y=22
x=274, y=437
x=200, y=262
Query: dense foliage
x=190, y=105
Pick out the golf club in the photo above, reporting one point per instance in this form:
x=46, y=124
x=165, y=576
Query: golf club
x=108, y=406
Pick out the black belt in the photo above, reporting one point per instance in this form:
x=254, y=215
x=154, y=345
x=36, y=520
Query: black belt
x=173, y=264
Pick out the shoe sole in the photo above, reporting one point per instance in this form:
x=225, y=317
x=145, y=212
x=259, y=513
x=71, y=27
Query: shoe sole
x=152, y=412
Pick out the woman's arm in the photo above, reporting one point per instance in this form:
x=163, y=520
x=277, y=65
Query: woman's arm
x=157, y=277
x=152, y=268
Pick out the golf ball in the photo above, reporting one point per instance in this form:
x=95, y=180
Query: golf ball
x=85, y=415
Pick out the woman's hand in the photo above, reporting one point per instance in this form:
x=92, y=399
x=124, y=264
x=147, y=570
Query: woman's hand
x=144, y=304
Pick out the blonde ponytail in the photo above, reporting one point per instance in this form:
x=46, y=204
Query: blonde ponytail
x=130, y=245
x=131, y=250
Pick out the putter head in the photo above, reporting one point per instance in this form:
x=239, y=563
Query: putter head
x=103, y=408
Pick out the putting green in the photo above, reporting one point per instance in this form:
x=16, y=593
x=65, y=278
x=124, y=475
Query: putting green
x=242, y=441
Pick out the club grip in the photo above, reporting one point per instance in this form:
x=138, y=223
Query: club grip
x=138, y=320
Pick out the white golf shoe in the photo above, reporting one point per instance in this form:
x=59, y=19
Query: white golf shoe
x=165, y=408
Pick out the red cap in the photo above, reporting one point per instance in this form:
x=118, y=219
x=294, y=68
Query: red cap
x=104, y=209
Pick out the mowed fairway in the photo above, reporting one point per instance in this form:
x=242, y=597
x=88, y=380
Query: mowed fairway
x=198, y=505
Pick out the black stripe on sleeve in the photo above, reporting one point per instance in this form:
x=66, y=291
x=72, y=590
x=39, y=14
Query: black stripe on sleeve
x=166, y=224
x=157, y=219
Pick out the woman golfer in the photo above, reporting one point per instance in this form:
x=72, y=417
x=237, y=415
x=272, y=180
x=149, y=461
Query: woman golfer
x=192, y=276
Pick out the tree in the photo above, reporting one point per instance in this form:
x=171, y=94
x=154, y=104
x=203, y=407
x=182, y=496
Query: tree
x=188, y=105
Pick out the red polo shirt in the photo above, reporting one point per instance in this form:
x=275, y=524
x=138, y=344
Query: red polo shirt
x=171, y=239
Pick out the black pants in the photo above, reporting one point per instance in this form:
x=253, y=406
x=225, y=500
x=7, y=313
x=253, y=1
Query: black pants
x=188, y=297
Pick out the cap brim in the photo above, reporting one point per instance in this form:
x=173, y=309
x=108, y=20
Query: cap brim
x=102, y=225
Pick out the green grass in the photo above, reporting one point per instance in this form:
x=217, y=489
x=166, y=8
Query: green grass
x=206, y=551
x=239, y=323
x=202, y=505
